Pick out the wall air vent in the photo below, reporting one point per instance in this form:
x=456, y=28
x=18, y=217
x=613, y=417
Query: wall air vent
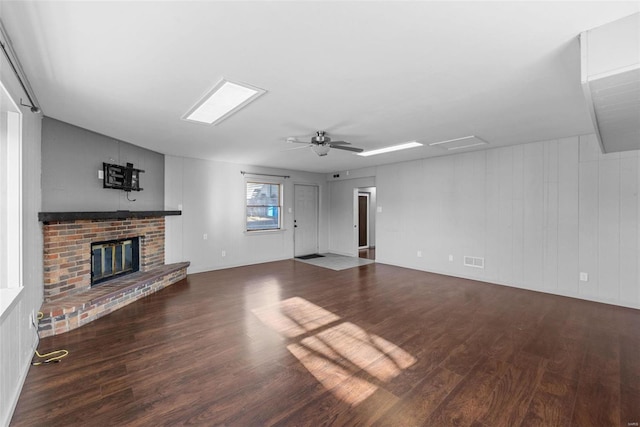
x=459, y=143
x=477, y=262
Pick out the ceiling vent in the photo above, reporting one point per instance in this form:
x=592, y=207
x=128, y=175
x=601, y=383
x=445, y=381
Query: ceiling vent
x=459, y=143
x=610, y=68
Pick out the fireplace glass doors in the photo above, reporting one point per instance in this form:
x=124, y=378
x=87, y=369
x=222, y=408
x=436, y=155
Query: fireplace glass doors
x=113, y=259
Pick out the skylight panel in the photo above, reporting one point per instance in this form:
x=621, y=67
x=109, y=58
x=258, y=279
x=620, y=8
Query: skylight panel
x=222, y=101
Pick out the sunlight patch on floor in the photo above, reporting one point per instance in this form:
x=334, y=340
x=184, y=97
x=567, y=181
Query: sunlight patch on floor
x=346, y=359
x=339, y=380
x=294, y=316
x=377, y=356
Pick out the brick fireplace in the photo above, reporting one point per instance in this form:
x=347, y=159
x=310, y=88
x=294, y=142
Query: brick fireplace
x=70, y=299
x=67, y=249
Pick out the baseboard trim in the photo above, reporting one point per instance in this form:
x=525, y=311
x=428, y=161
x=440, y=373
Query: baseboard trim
x=204, y=269
x=512, y=285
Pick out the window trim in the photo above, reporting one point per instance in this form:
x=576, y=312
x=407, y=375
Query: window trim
x=280, y=206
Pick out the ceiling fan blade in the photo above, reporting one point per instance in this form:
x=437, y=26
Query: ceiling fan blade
x=342, y=147
x=293, y=140
x=340, y=143
x=298, y=147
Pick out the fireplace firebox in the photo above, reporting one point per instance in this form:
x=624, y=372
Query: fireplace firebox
x=114, y=258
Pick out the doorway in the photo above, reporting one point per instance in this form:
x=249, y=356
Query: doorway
x=363, y=220
x=305, y=220
x=365, y=208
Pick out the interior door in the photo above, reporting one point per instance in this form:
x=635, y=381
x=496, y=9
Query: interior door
x=363, y=220
x=305, y=220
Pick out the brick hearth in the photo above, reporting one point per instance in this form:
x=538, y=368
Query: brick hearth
x=75, y=310
x=70, y=301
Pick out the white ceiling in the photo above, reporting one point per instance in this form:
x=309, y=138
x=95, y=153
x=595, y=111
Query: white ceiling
x=372, y=73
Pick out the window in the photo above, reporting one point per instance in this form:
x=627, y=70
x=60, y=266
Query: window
x=10, y=193
x=264, y=204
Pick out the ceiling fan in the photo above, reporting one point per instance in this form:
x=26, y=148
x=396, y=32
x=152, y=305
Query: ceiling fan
x=321, y=143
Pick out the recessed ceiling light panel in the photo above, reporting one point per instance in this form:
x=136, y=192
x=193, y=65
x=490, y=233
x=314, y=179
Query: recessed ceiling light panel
x=223, y=100
x=398, y=147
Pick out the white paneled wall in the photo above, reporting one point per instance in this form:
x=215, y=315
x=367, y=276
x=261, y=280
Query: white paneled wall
x=17, y=342
x=342, y=235
x=212, y=197
x=539, y=214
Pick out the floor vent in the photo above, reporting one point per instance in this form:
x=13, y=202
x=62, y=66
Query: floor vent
x=476, y=262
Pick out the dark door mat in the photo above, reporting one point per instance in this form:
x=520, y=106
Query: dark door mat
x=312, y=256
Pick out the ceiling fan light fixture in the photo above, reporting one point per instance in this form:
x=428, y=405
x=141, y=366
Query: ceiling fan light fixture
x=321, y=149
x=222, y=101
x=398, y=147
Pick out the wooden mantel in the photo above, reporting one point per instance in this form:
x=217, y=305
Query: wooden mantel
x=106, y=215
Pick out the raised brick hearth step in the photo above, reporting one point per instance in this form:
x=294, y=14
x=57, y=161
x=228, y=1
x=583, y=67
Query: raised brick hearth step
x=75, y=310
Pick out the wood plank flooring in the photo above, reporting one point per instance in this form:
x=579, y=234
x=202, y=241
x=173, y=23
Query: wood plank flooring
x=287, y=343
x=369, y=253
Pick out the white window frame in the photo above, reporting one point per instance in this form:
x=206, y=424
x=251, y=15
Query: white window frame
x=280, y=206
x=10, y=199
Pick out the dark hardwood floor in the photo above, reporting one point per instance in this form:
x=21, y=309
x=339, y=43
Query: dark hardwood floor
x=368, y=253
x=288, y=343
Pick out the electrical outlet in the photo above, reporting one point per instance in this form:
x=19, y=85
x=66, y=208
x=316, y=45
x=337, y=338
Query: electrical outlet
x=419, y=254
x=584, y=277
x=205, y=237
x=100, y=174
x=379, y=209
x=450, y=258
x=224, y=253
x=180, y=207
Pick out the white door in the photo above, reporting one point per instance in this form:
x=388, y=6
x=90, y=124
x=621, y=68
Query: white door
x=305, y=220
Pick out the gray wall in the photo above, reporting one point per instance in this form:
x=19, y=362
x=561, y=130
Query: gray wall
x=71, y=159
